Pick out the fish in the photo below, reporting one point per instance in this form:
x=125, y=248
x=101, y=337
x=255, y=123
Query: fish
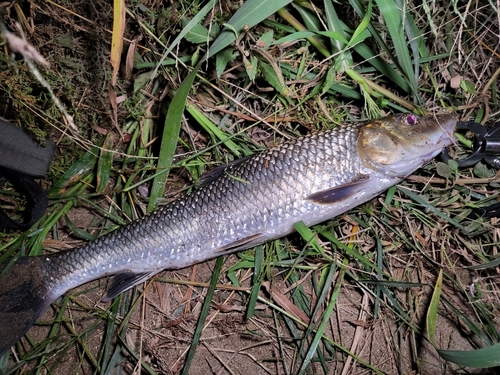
x=248, y=202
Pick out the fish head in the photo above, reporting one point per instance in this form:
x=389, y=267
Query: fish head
x=398, y=145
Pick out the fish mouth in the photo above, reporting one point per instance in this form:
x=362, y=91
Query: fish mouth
x=448, y=126
x=447, y=138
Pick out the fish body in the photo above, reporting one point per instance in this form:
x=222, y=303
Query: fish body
x=309, y=179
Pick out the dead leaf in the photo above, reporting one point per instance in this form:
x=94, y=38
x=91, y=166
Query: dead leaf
x=22, y=46
x=129, y=61
x=56, y=244
x=117, y=38
x=285, y=303
x=358, y=323
x=228, y=308
x=455, y=81
x=114, y=104
x=99, y=130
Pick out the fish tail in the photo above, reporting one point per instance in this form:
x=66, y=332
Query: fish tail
x=23, y=298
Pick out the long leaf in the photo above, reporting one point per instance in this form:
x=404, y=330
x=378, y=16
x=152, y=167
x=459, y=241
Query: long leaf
x=394, y=21
x=357, y=36
x=203, y=315
x=211, y=128
x=430, y=207
x=480, y=358
x=170, y=137
x=359, y=8
x=432, y=311
x=185, y=31
x=344, y=61
x=117, y=37
x=325, y=319
x=250, y=14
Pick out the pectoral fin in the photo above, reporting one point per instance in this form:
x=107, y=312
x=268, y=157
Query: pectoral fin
x=242, y=243
x=124, y=281
x=340, y=192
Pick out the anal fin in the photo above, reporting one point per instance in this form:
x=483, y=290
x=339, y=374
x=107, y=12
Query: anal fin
x=121, y=282
x=340, y=192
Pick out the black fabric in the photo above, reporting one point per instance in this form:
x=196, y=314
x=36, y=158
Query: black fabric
x=20, y=151
x=36, y=198
x=22, y=158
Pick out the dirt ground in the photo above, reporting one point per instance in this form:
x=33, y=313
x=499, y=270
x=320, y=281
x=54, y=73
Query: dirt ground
x=162, y=325
x=75, y=38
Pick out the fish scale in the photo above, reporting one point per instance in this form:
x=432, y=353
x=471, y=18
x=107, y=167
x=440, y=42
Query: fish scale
x=309, y=179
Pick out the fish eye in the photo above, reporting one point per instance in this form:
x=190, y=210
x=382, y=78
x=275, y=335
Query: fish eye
x=410, y=119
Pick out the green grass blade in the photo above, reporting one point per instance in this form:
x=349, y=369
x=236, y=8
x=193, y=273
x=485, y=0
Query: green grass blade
x=327, y=284
x=393, y=284
x=108, y=363
x=250, y=14
x=116, y=359
x=274, y=78
x=104, y=164
x=480, y=358
x=310, y=237
x=361, y=32
x=75, y=173
x=194, y=22
x=344, y=60
x=378, y=288
x=493, y=263
x=432, y=311
x=415, y=39
x=145, y=368
x=430, y=207
x=382, y=66
x=211, y=128
x=359, y=8
x=203, y=316
x=318, y=44
x=306, y=34
x=36, y=246
x=53, y=330
x=170, y=137
x=474, y=327
x=348, y=250
x=82, y=233
x=257, y=281
x=324, y=321
x=394, y=20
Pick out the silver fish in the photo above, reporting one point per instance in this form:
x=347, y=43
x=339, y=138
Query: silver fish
x=309, y=179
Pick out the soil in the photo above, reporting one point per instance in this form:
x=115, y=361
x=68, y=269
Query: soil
x=162, y=325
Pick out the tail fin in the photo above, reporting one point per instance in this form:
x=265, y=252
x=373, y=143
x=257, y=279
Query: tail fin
x=23, y=298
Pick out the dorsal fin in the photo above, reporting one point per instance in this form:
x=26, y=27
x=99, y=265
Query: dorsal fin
x=214, y=174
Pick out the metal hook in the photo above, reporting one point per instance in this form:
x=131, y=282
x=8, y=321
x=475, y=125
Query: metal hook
x=486, y=145
x=492, y=146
